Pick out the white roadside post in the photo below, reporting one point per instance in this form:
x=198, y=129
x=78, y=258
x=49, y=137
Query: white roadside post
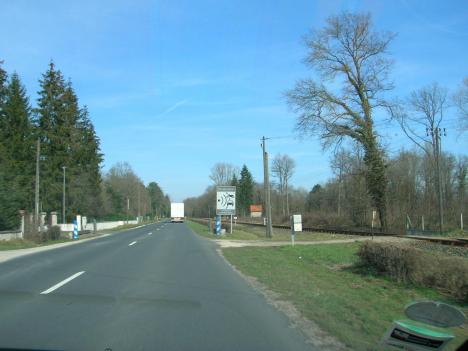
x=296, y=226
x=291, y=221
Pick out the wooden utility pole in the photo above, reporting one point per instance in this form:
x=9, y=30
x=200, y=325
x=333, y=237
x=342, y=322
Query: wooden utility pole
x=128, y=207
x=36, y=198
x=63, y=196
x=437, y=134
x=266, y=184
x=139, y=214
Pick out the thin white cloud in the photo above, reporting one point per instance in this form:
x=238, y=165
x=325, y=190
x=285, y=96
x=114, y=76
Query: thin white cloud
x=173, y=107
x=116, y=100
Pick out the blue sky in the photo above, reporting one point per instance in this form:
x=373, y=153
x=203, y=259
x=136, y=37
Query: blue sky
x=174, y=86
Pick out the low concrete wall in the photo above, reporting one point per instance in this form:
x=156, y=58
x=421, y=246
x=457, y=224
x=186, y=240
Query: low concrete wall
x=11, y=235
x=100, y=225
x=108, y=225
x=67, y=227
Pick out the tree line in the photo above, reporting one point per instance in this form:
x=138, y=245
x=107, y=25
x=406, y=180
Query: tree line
x=125, y=195
x=62, y=131
x=412, y=197
x=344, y=201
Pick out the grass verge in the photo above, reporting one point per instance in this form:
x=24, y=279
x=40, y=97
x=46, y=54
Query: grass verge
x=322, y=284
x=245, y=232
x=237, y=234
x=26, y=244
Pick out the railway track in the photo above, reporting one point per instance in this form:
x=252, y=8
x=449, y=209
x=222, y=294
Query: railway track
x=460, y=242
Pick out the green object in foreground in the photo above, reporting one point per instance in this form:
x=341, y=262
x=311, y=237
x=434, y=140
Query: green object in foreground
x=416, y=336
x=423, y=330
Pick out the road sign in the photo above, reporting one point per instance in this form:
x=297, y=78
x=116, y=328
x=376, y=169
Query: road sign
x=297, y=222
x=225, y=200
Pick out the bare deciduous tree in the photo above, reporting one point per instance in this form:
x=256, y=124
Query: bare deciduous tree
x=283, y=169
x=223, y=173
x=421, y=115
x=421, y=120
x=461, y=102
x=348, y=52
x=340, y=165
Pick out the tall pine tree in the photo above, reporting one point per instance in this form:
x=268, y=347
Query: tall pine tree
x=88, y=158
x=245, y=191
x=68, y=139
x=49, y=119
x=17, y=154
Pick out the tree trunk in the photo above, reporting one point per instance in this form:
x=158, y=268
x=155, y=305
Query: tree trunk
x=339, y=194
x=376, y=178
x=282, y=200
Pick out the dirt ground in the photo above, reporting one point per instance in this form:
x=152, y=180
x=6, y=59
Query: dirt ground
x=260, y=243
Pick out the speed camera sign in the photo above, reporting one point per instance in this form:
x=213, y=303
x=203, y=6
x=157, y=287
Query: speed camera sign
x=226, y=200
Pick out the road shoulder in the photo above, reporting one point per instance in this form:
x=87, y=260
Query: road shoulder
x=11, y=254
x=312, y=332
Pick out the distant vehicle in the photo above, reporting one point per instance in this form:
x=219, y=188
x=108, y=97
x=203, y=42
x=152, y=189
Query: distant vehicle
x=177, y=212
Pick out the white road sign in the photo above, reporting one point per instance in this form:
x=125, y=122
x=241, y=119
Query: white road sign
x=225, y=200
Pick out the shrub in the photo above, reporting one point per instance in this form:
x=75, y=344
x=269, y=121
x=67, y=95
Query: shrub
x=52, y=233
x=411, y=265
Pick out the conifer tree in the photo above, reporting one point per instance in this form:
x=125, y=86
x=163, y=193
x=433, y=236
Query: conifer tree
x=17, y=156
x=245, y=191
x=68, y=139
x=49, y=119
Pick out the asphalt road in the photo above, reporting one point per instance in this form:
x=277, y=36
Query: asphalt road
x=168, y=290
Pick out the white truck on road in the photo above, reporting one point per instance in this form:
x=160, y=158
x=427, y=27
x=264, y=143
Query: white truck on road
x=177, y=212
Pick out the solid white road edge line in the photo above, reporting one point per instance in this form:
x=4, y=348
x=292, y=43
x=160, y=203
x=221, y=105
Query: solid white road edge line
x=63, y=282
x=132, y=243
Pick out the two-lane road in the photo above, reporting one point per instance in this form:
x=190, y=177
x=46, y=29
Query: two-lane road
x=158, y=287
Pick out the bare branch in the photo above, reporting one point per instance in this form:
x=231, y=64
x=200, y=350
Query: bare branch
x=461, y=102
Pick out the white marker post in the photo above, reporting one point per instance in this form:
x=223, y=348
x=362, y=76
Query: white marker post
x=293, y=233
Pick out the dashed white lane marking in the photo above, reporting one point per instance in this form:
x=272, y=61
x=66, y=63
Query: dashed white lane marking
x=150, y=233
x=63, y=282
x=132, y=243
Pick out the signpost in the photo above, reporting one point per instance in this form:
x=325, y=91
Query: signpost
x=226, y=201
x=296, y=226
